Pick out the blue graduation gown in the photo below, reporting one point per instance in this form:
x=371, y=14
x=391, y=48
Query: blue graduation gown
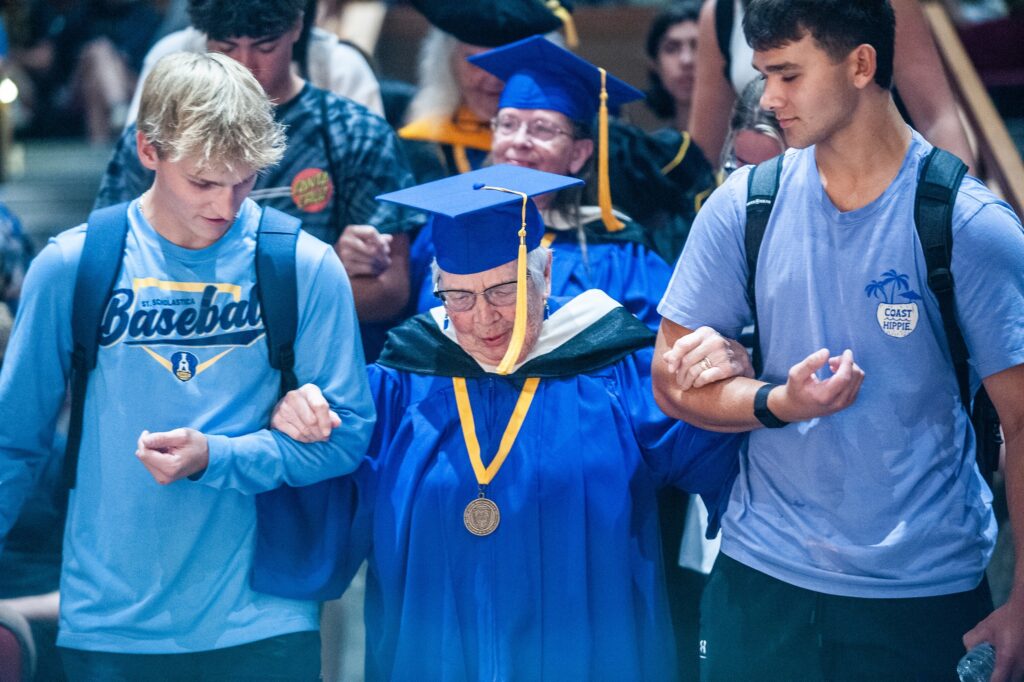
x=570, y=585
x=619, y=264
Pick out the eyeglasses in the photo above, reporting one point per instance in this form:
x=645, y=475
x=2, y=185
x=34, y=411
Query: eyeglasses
x=539, y=130
x=460, y=301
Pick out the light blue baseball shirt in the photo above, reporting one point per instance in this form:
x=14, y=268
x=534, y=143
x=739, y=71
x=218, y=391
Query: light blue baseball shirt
x=164, y=569
x=882, y=499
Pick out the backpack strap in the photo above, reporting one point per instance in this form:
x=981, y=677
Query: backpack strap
x=724, y=19
x=98, y=269
x=762, y=187
x=937, y=187
x=277, y=289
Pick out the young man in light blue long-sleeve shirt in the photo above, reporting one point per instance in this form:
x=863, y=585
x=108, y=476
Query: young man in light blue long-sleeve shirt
x=175, y=442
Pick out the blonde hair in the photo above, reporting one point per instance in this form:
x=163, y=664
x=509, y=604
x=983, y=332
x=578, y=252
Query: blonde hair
x=210, y=109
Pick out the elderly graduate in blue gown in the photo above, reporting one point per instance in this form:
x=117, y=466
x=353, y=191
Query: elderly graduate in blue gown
x=507, y=505
x=552, y=117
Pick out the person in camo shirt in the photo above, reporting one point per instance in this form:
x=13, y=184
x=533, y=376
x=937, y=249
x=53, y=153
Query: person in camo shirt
x=339, y=157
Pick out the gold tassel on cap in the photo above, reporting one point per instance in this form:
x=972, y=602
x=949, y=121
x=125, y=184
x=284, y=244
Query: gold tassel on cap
x=515, y=344
x=572, y=39
x=604, y=190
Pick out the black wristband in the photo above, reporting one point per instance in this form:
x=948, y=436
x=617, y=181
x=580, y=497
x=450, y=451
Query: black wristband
x=761, y=411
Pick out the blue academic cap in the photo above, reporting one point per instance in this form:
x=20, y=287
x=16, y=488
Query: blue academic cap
x=541, y=75
x=483, y=219
x=476, y=228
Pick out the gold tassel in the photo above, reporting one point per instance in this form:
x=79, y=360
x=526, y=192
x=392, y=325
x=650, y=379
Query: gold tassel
x=572, y=39
x=515, y=344
x=604, y=190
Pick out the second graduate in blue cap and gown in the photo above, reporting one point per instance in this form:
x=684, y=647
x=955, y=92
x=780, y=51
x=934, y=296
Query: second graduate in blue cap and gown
x=550, y=100
x=507, y=505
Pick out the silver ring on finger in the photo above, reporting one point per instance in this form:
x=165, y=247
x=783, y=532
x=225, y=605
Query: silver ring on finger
x=705, y=364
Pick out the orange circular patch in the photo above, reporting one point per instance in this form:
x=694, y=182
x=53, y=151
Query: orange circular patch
x=312, y=189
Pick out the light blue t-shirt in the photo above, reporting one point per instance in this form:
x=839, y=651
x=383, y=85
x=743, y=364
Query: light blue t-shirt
x=882, y=499
x=164, y=569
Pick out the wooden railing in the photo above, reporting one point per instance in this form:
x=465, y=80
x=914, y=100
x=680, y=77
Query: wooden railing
x=1000, y=162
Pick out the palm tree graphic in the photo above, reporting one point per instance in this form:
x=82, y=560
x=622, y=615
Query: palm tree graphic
x=891, y=284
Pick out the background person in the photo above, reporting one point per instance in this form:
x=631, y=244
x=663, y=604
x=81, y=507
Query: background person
x=319, y=57
x=672, y=51
x=546, y=121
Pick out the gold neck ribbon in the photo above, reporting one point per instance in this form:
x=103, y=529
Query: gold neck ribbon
x=572, y=39
x=604, y=189
x=515, y=344
x=461, y=159
x=484, y=475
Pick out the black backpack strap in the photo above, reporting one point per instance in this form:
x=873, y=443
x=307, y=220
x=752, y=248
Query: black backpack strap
x=98, y=269
x=762, y=187
x=937, y=187
x=277, y=288
x=724, y=19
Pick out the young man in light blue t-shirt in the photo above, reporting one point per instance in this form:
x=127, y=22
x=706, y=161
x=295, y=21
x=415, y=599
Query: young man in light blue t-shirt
x=859, y=528
x=175, y=440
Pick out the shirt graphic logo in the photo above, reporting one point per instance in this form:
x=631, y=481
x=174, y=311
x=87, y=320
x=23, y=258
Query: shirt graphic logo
x=184, y=365
x=897, y=313
x=312, y=189
x=211, y=319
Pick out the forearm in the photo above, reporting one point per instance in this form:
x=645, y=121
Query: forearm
x=1014, y=480
x=45, y=607
x=381, y=298
x=726, y=406
x=264, y=460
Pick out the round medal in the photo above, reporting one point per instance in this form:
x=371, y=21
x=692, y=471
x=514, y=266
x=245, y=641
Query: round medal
x=481, y=516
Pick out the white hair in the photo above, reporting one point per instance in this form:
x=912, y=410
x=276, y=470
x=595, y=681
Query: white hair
x=536, y=264
x=438, y=94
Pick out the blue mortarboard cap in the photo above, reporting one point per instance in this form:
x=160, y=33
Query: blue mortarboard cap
x=475, y=228
x=541, y=75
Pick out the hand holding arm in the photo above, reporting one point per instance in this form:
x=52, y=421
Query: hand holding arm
x=704, y=357
x=727, y=405
x=304, y=415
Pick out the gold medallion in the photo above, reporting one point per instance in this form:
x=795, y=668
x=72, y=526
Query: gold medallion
x=481, y=516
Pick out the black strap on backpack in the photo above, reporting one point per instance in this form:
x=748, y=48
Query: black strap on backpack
x=97, y=274
x=724, y=19
x=940, y=179
x=941, y=175
x=98, y=270
x=277, y=288
x=762, y=186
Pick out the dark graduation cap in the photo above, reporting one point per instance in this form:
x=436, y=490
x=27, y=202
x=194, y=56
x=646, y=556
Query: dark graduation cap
x=483, y=219
x=541, y=75
x=490, y=23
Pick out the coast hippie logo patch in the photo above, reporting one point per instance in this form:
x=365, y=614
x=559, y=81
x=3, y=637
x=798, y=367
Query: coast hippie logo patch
x=201, y=322
x=897, y=313
x=312, y=189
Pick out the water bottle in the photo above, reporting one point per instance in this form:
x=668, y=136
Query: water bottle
x=977, y=664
